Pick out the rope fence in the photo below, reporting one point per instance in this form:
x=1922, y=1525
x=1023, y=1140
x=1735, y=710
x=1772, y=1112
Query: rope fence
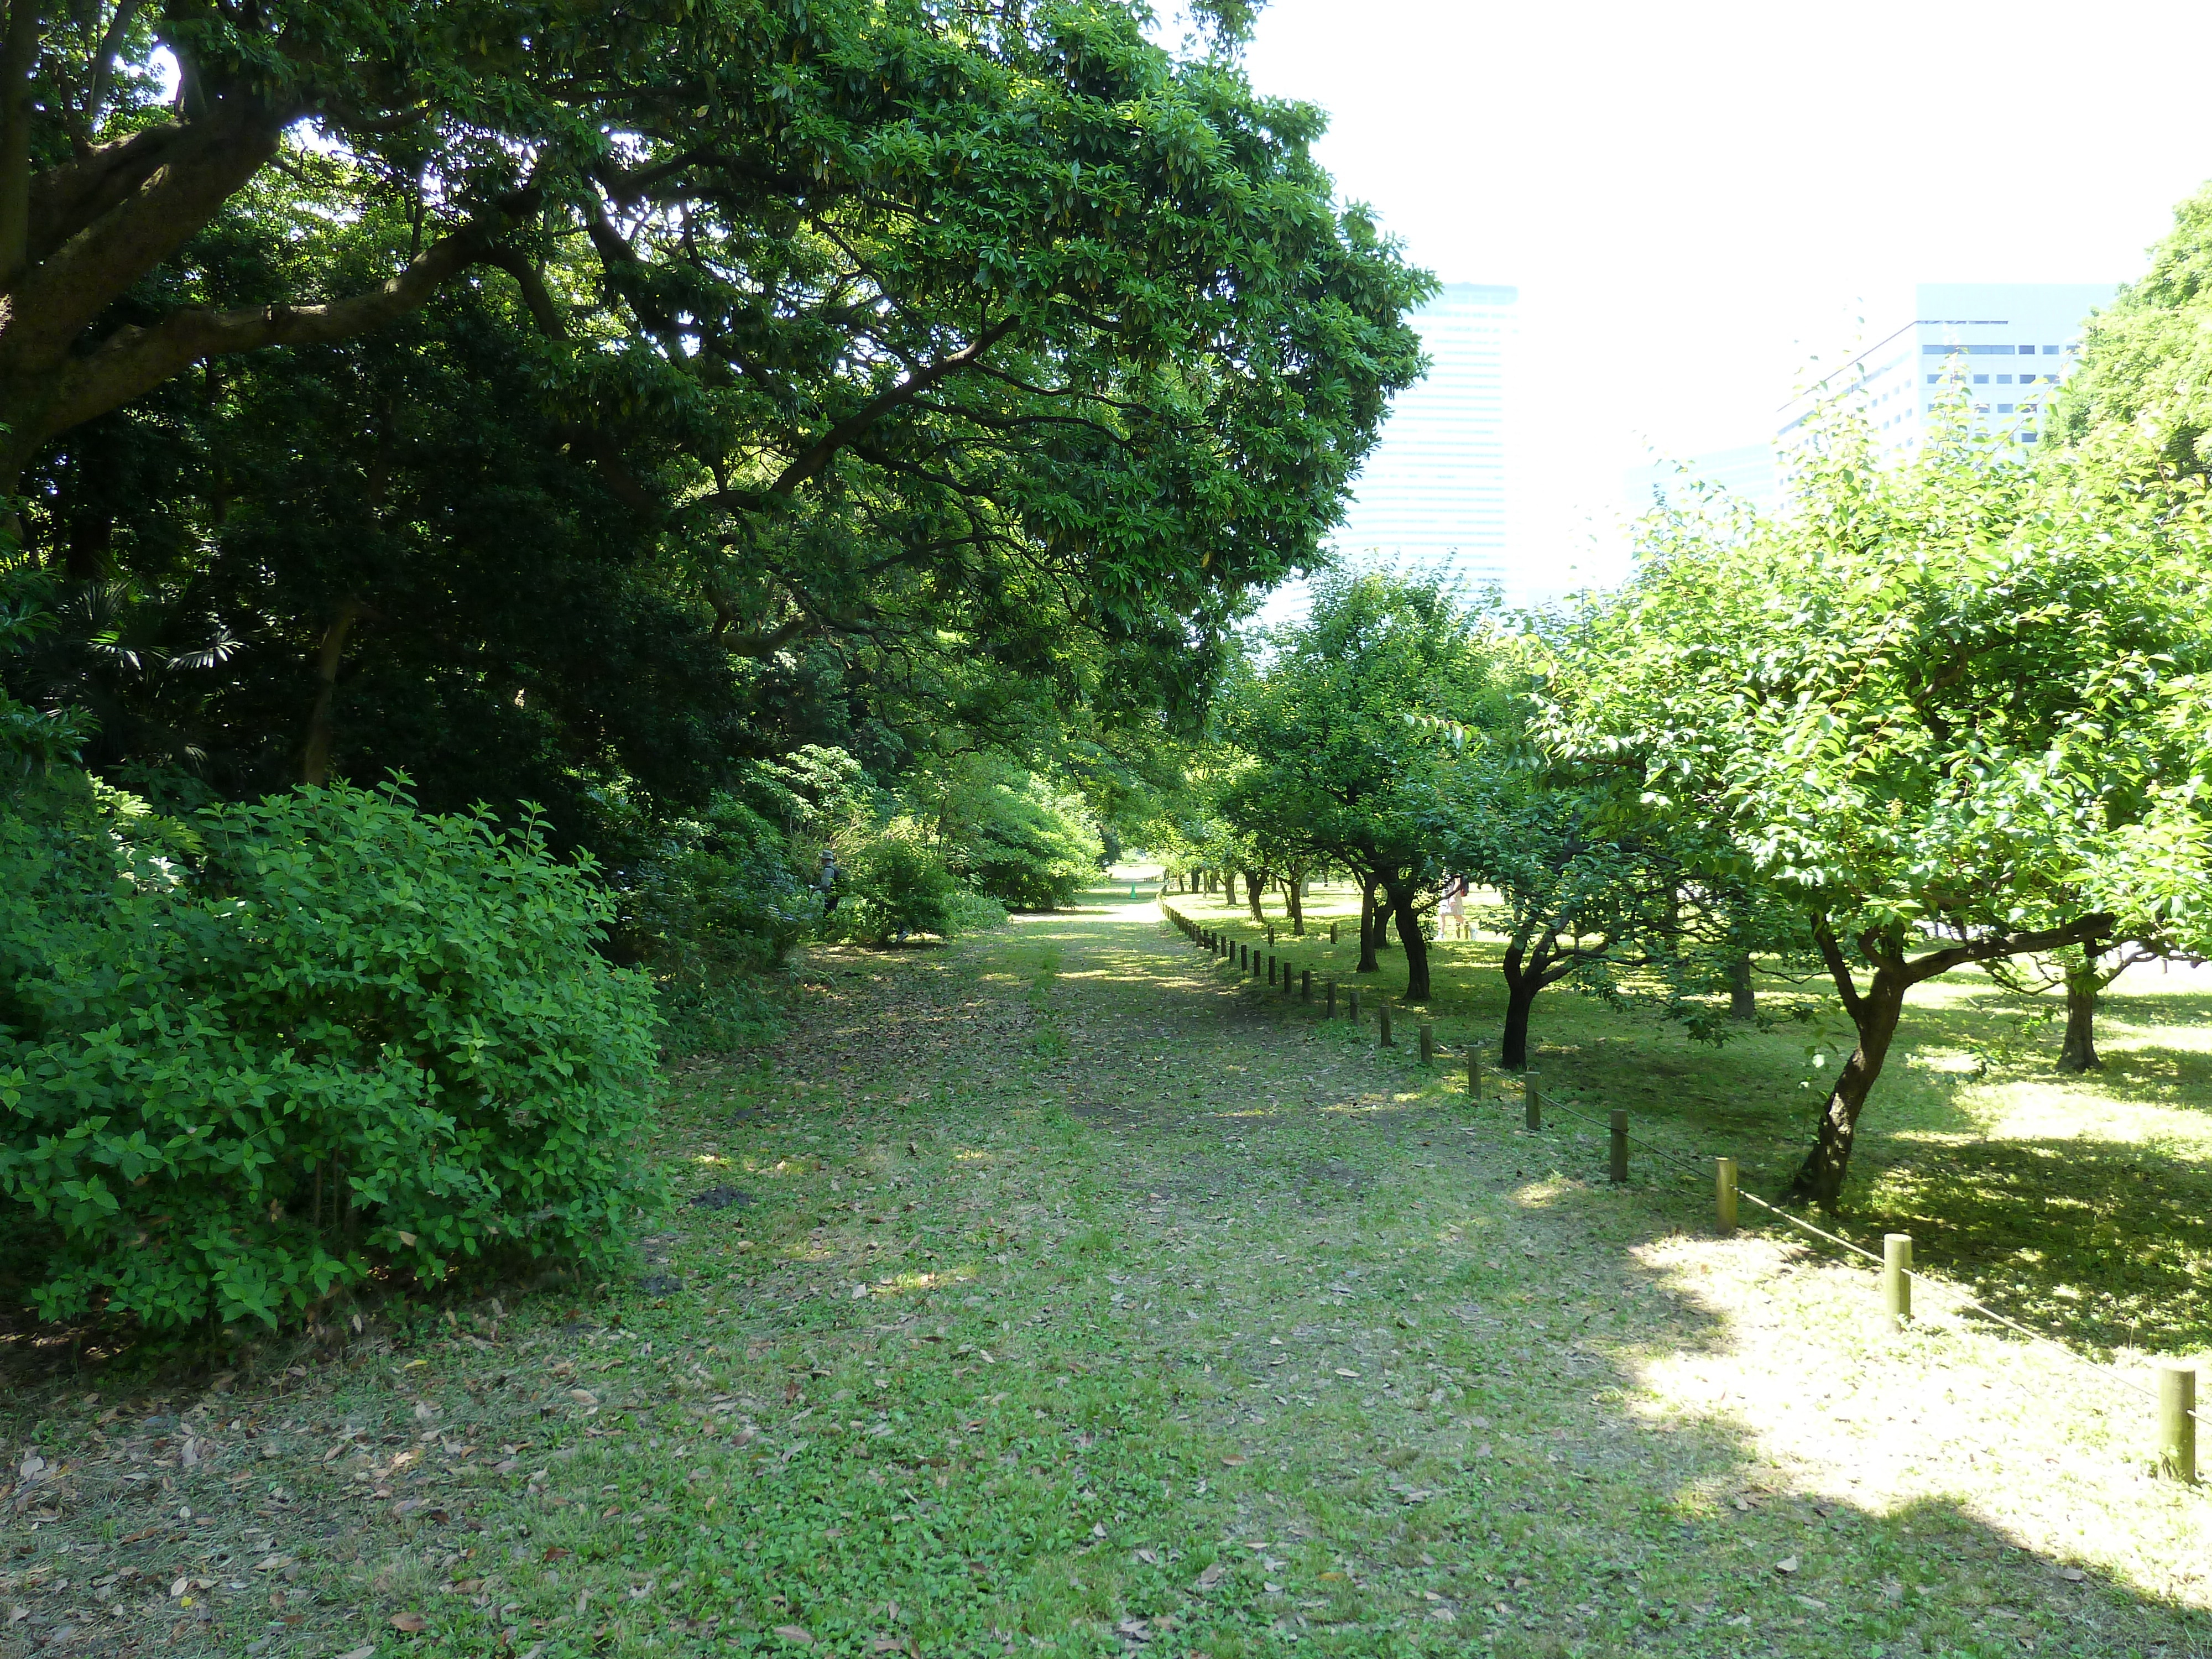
x=2175, y=1395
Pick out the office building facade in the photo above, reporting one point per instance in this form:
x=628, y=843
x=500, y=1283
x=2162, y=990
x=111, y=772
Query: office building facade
x=1432, y=490
x=1991, y=353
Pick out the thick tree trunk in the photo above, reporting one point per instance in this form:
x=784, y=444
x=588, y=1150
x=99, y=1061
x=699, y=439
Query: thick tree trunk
x=315, y=767
x=2079, y=1052
x=1875, y=1015
x=1744, y=1000
x=1254, y=886
x=1417, y=947
x=1294, y=901
x=1369, y=927
x=1520, y=1002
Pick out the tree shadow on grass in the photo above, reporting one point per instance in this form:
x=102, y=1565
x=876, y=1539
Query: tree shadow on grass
x=2100, y=1243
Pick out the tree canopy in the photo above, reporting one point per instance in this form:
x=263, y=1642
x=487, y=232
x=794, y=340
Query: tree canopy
x=1953, y=710
x=563, y=398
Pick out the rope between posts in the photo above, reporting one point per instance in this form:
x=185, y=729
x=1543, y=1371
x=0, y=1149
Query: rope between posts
x=1958, y=1296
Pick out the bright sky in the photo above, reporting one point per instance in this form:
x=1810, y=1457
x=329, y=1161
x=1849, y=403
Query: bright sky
x=1698, y=200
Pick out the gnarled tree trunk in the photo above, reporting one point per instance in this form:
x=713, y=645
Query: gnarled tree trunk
x=1255, y=882
x=2083, y=983
x=1417, y=946
x=1744, y=1000
x=1369, y=927
x=1875, y=1014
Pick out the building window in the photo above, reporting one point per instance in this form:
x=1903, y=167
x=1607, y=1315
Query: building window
x=2004, y=409
x=2051, y=352
x=1932, y=379
x=2027, y=437
x=2004, y=379
x=1981, y=379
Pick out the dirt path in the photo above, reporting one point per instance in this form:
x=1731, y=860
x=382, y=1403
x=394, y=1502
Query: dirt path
x=1059, y=1294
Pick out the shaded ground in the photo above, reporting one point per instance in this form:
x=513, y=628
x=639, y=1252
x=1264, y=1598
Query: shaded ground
x=1058, y=1293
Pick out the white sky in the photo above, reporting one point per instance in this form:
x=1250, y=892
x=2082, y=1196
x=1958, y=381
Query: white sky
x=1698, y=200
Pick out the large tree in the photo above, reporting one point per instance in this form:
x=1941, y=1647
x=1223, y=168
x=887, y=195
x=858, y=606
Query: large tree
x=896, y=353
x=1950, y=710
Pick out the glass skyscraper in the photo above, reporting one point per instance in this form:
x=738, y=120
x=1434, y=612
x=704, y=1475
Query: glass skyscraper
x=1432, y=492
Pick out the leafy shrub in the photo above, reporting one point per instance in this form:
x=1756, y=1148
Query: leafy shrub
x=252, y=1059
x=1016, y=840
x=972, y=912
x=894, y=884
x=714, y=908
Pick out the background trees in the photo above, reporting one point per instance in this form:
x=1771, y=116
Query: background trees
x=1329, y=766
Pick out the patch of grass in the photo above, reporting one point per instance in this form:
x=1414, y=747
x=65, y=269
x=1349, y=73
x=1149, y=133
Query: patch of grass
x=1203, y=1328
x=2080, y=1204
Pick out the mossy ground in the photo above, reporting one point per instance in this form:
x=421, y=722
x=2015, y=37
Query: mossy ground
x=1057, y=1292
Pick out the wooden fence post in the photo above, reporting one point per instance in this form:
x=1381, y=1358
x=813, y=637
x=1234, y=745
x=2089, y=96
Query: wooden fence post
x=1473, y=1074
x=1332, y=1001
x=1352, y=1013
x=2177, y=1423
x=1534, y=1106
x=1896, y=1277
x=1271, y=965
x=1618, y=1165
x=1724, y=1192
x=1428, y=1043
x=1382, y=1019
x=1305, y=985
x=1332, y=932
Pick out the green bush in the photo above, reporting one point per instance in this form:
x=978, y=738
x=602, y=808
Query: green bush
x=1019, y=843
x=247, y=1061
x=895, y=884
x=972, y=912
x=714, y=909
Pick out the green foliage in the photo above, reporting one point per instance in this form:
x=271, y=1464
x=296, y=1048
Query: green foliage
x=2146, y=359
x=31, y=739
x=895, y=884
x=1009, y=834
x=249, y=1061
x=715, y=906
x=1953, y=712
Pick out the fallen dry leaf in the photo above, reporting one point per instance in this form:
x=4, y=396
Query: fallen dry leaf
x=798, y=1633
x=410, y=1623
x=1787, y=1564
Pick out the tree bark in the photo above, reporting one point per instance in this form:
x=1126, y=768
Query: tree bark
x=1820, y=1177
x=1417, y=946
x=1520, y=1002
x=1255, y=884
x=2079, y=1052
x=1294, y=902
x=1743, y=999
x=1368, y=929
x=315, y=764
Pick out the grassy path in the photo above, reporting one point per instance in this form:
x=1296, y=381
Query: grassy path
x=1059, y=1294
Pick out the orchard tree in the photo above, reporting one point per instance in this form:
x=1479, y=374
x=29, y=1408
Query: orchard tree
x=1952, y=712
x=1330, y=768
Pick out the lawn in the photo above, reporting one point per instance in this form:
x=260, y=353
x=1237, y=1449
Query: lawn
x=1058, y=1292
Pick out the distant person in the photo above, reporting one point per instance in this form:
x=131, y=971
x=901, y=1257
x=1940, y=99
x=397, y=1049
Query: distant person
x=1454, y=902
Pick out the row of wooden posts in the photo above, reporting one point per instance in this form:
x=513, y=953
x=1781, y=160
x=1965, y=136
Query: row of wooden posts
x=2177, y=1384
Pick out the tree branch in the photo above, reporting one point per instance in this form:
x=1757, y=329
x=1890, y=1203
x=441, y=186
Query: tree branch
x=824, y=449
x=133, y=360
x=17, y=54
